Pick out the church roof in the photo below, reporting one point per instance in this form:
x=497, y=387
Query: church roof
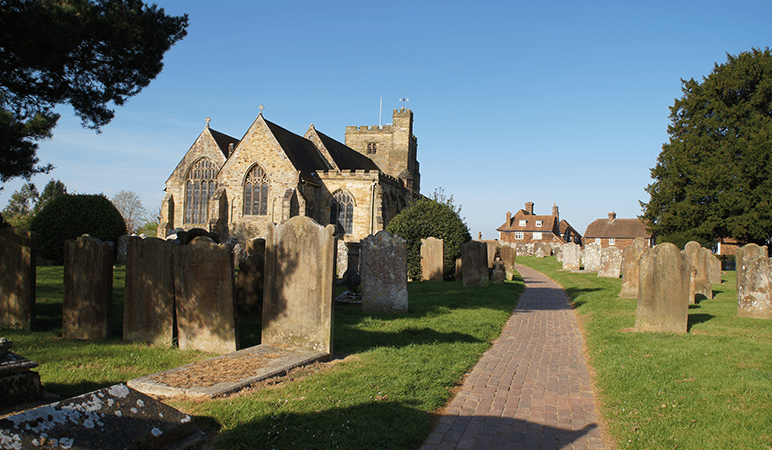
x=301, y=152
x=223, y=141
x=346, y=158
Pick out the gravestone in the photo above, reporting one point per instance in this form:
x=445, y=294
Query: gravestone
x=714, y=268
x=493, y=250
x=663, y=293
x=521, y=248
x=474, y=261
x=113, y=418
x=558, y=252
x=341, y=258
x=631, y=268
x=18, y=384
x=610, y=263
x=508, y=258
x=384, y=274
x=432, y=259
x=351, y=277
x=499, y=274
x=148, y=306
x=755, y=298
x=591, y=257
x=205, y=296
x=746, y=251
x=299, y=285
x=697, y=257
x=249, y=284
x=542, y=249
x=572, y=256
x=87, y=298
x=121, y=253
x=17, y=279
x=459, y=269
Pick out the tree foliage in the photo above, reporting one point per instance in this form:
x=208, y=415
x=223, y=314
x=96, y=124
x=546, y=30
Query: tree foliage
x=429, y=218
x=90, y=54
x=70, y=216
x=129, y=204
x=26, y=202
x=713, y=178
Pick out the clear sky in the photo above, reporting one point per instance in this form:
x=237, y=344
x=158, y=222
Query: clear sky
x=513, y=101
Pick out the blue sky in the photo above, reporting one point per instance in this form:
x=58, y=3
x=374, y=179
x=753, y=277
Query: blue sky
x=549, y=102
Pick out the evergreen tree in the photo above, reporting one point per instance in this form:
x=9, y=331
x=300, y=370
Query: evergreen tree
x=713, y=179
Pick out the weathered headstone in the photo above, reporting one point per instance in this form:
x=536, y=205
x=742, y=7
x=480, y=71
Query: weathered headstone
x=351, y=277
x=249, y=284
x=341, y=259
x=542, y=249
x=299, y=271
x=591, y=257
x=493, y=251
x=663, y=293
x=87, y=298
x=205, y=296
x=148, y=306
x=697, y=257
x=121, y=253
x=498, y=272
x=474, y=260
x=521, y=248
x=755, y=295
x=113, y=418
x=746, y=251
x=572, y=256
x=459, y=269
x=610, y=262
x=17, y=279
x=432, y=259
x=508, y=257
x=714, y=268
x=384, y=274
x=631, y=268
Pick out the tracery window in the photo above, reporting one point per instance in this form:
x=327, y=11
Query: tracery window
x=256, y=192
x=200, y=184
x=372, y=148
x=342, y=212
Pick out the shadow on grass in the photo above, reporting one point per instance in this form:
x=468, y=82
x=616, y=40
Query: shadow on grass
x=387, y=424
x=695, y=319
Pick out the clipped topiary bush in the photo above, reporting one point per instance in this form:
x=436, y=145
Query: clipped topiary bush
x=70, y=216
x=429, y=218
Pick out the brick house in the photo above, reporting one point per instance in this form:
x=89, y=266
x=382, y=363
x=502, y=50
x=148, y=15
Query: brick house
x=236, y=187
x=527, y=227
x=613, y=232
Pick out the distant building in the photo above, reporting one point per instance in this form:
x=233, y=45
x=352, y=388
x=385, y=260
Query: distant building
x=613, y=232
x=728, y=246
x=527, y=227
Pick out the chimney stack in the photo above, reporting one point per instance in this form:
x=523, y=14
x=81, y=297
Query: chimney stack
x=555, y=212
x=529, y=207
x=612, y=216
x=509, y=218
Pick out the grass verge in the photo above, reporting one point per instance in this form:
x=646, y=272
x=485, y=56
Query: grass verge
x=708, y=389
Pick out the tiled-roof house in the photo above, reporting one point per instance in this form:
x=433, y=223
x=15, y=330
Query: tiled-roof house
x=613, y=232
x=236, y=187
x=527, y=227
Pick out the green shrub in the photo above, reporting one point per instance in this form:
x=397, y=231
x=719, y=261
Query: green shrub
x=70, y=216
x=429, y=218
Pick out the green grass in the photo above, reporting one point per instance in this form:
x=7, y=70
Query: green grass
x=708, y=389
x=397, y=370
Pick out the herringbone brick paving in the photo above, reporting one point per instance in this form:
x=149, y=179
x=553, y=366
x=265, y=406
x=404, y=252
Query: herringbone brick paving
x=531, y=389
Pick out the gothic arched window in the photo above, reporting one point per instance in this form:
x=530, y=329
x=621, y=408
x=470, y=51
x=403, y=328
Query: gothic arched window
x=200, y=184
x=342, y=212
x=256, y=192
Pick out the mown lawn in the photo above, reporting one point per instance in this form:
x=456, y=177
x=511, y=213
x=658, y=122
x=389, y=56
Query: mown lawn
x=391, y=371
x=708, y=389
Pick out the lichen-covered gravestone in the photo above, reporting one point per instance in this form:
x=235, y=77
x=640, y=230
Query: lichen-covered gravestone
x=249, y=285
x=498, y=274
x=744, y=252
x=205, y=296
x=87, y=298
x=384, y=274
x=474, y=261
x=299, y=282
x=610, y=263
x=631, y=268
x=17, y=279
x=663, y=293
x=591, y=257
x=697, y=257
x=572, y=256
x=714, y=268
x=148, y=306
x=432, y=259
x=508, y=258
x=755, y=293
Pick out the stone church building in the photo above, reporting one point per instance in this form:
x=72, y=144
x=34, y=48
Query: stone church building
x=236, y=187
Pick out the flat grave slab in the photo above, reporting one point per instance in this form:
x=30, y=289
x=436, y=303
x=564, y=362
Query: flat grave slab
x=228, y=373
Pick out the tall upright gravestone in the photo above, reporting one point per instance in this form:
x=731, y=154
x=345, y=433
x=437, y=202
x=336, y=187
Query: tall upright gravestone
x=508, y=256
x=610, y=263
x=591, y=257
x=432, y=259
x=474, y=262
x=746, y=252
x=663, y=293
x=384, y=273
x=299, y=281
x=205, y=297
x=17, y=279
x=698, y=258
x=249, y=285
x=148, y=306
x=87, y=299
x=572, y=256
x=754, y=293
x=631, y=268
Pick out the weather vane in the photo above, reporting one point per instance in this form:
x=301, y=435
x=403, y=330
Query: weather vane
x=261, y=109
x=404, y=99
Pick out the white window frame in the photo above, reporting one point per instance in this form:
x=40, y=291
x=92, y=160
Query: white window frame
x=523, y=223
x=597, y=241
x=537, y=236
x=612, y=241
x=538, y=223
x=519, y=235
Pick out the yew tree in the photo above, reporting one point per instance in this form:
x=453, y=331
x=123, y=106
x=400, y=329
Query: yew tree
x=90, y=54
x=713, y=178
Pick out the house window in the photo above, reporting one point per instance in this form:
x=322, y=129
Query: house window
x=519, y=235
x=256, y=192
x=597, y=241
x=538, y=223
x=523, y=222
x=537, y=236
x=200, y=185
x=612, y=241
x=342, y=212
x=371, y=148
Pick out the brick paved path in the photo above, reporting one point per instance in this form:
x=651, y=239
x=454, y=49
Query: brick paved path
x=531, y=389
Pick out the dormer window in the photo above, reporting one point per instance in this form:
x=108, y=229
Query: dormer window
x=523, y=222
x=538, y=223
x=371, y=148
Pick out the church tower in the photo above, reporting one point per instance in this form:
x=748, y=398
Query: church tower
x=392, y=147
